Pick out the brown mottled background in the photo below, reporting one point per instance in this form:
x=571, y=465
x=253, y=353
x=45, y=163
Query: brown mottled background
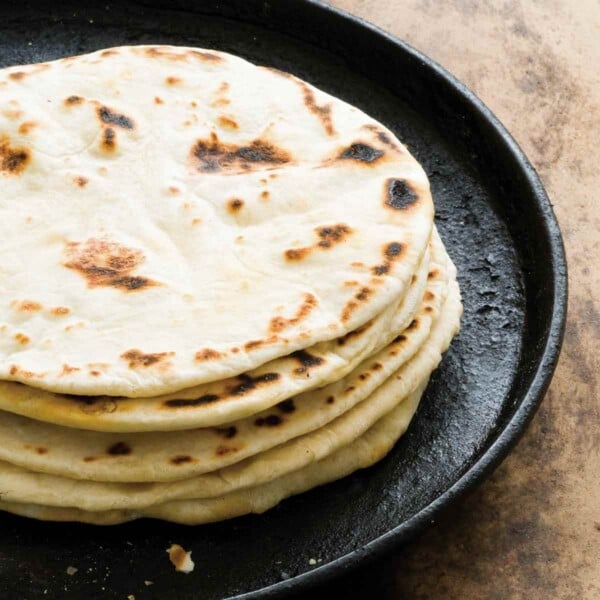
x=533, y=529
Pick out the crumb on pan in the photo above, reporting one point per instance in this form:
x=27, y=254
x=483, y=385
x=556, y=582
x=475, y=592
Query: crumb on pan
x=181, y=559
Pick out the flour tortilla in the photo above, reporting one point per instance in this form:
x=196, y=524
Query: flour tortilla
x=174, y=216
x=153, y=457
x=234, y=398
x=362, y=453
x=20, y=485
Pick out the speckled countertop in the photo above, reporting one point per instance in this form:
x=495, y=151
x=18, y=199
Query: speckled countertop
x=533, y=529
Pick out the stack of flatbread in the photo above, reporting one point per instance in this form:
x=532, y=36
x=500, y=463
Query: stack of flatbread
x=220, y=287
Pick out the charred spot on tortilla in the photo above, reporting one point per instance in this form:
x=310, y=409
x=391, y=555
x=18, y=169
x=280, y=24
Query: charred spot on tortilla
x=186, y=402
x=287, y=406
x=13, y=159
x=361, y=152
x=138, y=359
x=110, y=117
x=399, y=194
x=119, y=449
x=268, y=421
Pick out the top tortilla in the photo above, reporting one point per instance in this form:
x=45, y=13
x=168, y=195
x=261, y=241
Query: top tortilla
x=174, y=216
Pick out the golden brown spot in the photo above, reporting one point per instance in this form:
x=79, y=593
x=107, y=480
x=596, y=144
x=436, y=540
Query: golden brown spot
x=227, y=122
x=252, y=344
x=119, y=449
x=109, y=52
x=13, y=159
x=352, y=283
x=81, y=181
x=209, y=156
x=109, y=140
x=95, y=373
x=235, y=350
x=193, y=104
x=357, y=264
x=349, y=389
x=399, y=194
x=138, y=359
x=60, y=311
x=429, y=295
x=265, y=195
x=26, y=305
x=223, y=450
x=89, y=458
x=376, y=367
x=362, y=295
x=364, y=376
x=413, y=279
x=158, y=100
x=182, y=56
x=330, y=400
x=234, y=205
x=413, y=325
x=278, y=324
x=106, y=263
x=66, y=369
x=110, y=117
x=17, y=76
x=38, y=449
x=181, y=460
x=173, y=80
x=432, y=274
x=73, y=100
x=174, y=190
x=297, y=253
x=322, y=112
x=196, y=221
x=15, y=370
x=25, y=128
x=207, y=354
x=428, y=309
x=22, y=339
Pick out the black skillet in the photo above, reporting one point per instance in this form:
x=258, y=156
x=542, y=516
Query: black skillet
x=499, y=229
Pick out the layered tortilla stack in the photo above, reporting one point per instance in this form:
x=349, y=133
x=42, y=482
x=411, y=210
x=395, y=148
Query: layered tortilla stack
x=220, y=287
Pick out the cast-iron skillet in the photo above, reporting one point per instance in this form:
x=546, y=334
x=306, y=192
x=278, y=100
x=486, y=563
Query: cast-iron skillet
x=499, y=229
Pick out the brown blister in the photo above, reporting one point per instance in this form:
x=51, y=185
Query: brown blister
x=68, y=369
x=26, y=305
x=253, y=344
x=207, y=354
x=105, y=263
x=22, y=338
x=110, y=117
x=13, y=159
x=23, y=373
x=60, y=311
x=361, y=296
x=278, y=324
x=328, y=236
x=138, y=359
x=119, y=449
x=26, y=128
x=321, y=111
x=211, y=156
x=81, y=181
x=73, y=100
x=108, y=143
x=352, y=334
x=223, y=450
x=38, y=449
x=227, y=122
x=362, y=153
x=234, y=205
x=181, y=459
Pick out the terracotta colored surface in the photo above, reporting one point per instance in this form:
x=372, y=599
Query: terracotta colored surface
x=532, y=530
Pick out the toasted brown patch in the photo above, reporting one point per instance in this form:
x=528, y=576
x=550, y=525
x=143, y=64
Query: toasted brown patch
x=349, y=389
x=268, y=421
x=15, y=370
x=25, y=128
x=399, y=194
x=330, y=400
x=88, y=459
x=109, y=140
x=329, y=235
x=376, y=367
x=352, y=334
x=227, y=432
x=383, y=137
x=182, y=56
x=81, y=181
x=110, y=117
x=361, y=296
x=138, y=359
x=364, y=376
x=22, y=339
x=38, y=449
x=322, y=112
x=26, y=305
x=429, y=295
x=207, y=354
x=119, y=449
x=307, y=361
x=399, y=338
x=227, y=122
x=17, y=75
x=413, y=325
x=173, y=80
x=95, y=373
x=264, y=195
x=189, y=402
x=158, y=100
x=278, y=324
x=73, y=100
x=210, y=156
x=13, y=159
x=432, y=274
x=223, y=450
x=253, y=344
x=109, y=52
x=249, y=383
x=106, y=263
x=234, y=205
x=181, y=460
x=66, y=369
x=60, y=311
x=361, y=152
x=287, y=406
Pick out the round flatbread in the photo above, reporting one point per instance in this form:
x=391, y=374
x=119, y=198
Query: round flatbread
x=174, y=216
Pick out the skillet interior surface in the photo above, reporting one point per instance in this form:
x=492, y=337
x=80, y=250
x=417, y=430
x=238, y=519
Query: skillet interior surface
x=493, y=217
